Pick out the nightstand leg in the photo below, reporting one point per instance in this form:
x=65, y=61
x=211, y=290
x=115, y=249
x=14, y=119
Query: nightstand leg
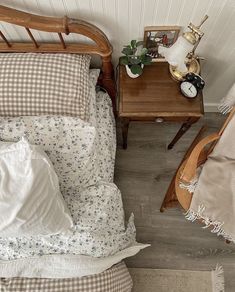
x=184, y=128
x=125, y=125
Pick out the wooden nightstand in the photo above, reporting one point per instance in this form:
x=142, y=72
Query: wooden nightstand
x=155, y=96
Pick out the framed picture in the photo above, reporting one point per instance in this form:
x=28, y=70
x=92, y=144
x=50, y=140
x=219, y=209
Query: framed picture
x=155, y=36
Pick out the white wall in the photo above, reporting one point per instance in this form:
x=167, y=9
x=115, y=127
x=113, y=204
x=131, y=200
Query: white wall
x=123, y=20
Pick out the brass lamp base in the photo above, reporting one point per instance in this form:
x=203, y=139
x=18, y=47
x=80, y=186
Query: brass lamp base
x=193, y=67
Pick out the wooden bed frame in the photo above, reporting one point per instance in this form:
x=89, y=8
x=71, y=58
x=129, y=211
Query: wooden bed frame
x=65, y=25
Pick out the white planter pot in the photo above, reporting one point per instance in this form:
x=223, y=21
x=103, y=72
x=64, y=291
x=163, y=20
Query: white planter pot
x=130, y=74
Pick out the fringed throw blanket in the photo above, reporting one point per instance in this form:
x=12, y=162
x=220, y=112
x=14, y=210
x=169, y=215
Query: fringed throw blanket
x=214, y=195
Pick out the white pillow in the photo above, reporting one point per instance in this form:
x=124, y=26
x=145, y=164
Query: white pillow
x=30, y=200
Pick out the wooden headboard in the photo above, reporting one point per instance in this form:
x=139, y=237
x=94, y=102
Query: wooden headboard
x=65, y=25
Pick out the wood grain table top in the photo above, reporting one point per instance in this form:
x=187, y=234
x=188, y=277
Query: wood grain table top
x=155, y=94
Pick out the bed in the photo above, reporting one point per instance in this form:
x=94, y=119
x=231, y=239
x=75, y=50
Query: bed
x=58, y=120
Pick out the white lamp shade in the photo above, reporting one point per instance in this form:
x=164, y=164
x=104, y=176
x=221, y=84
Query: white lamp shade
x=176, y=54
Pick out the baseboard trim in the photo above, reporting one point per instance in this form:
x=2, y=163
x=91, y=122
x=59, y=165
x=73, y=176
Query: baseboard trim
x=211, y=107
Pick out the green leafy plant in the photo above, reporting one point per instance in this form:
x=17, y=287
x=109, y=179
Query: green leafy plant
x=135, y=56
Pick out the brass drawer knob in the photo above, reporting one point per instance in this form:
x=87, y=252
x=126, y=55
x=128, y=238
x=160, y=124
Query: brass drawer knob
x=159, y=120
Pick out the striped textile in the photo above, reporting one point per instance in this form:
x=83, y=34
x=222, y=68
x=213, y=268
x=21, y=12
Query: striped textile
x=115, y=279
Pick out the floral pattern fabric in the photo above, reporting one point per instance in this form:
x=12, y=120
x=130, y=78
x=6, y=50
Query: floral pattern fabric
x=83, y=156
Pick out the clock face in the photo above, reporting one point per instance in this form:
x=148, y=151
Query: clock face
x=188, y=89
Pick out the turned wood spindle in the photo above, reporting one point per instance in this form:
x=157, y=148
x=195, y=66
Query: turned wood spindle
x=32, y=37
x=5, y=39
x=62, y=40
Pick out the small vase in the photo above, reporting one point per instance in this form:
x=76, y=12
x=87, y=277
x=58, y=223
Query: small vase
x=130, y=74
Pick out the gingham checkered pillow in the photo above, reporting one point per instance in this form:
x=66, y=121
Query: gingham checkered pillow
x=37, y=84
x=115, y=279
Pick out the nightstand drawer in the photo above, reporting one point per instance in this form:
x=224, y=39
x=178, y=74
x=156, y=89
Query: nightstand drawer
x=158, y=119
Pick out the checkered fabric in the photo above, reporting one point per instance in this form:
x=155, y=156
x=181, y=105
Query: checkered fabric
x=37, y=84
x=115, y=279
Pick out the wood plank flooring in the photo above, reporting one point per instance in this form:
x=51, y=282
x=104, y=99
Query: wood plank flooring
x=143, y=173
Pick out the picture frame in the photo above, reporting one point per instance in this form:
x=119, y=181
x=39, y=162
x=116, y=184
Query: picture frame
x=159, y=35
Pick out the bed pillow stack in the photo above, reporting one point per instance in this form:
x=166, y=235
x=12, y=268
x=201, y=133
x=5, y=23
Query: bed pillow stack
x=34, y=84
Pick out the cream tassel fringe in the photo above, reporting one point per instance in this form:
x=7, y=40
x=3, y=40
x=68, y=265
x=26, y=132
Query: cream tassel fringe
x=217, y=278
x=217, y=226
x=225, y=108
x=191, y=187
x=228, y=101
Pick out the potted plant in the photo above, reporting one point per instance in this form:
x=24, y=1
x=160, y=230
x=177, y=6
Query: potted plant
x=136, y=56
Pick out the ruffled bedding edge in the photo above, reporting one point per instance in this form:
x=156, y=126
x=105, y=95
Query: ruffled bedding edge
x=64, y=266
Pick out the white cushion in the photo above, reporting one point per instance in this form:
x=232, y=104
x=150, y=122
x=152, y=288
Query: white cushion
x=30, y=200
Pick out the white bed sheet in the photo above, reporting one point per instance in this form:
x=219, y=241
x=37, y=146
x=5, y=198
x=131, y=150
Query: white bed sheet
x=87, y=186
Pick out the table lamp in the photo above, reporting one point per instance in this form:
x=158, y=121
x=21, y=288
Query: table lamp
x=181, y=55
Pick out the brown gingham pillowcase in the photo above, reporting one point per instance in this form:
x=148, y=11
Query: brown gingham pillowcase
x=44, y=84
x=115, y=279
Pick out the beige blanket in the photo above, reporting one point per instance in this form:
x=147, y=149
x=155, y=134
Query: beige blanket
x=214, y=197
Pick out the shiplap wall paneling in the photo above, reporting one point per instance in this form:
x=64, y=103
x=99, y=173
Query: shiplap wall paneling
x=123, y=20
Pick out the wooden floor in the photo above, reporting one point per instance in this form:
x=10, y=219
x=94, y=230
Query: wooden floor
x=143, y=173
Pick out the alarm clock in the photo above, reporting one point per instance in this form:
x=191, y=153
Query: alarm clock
x=192, y=84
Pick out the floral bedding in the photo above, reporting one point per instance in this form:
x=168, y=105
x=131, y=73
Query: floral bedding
x=83, y=157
